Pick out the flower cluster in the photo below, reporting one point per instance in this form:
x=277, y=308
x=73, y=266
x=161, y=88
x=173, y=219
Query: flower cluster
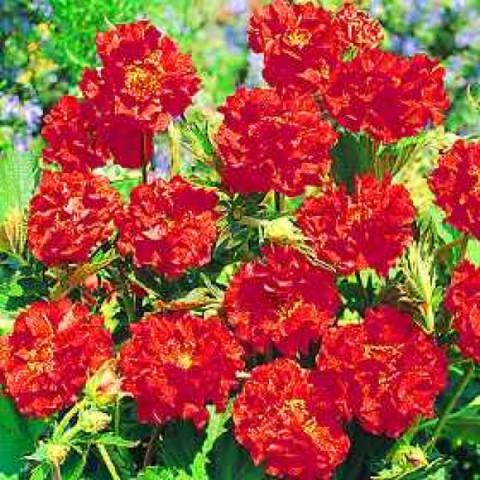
x=175, y=364
x=456, y=185
x=388, y=96
x=463, y=302
x=169, y=226
x=281, y=301
x=369, y=229
x=71, y=214
x=390, y=370
x=269, y=141
x=47, y=358
x=281, y=426
x=143, y=84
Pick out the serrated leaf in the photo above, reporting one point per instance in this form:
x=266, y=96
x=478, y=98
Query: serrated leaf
x=115, y=440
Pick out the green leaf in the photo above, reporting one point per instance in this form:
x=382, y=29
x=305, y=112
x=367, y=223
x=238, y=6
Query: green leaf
x=473, y=251
x=229, y=461
x=464, y=425
x=352, y=156
x=115, y=440
x=215, y=428
x=162, y=473
x=18, y=436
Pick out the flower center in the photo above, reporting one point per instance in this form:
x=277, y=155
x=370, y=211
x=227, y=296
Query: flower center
x=184, y=360
x=286, y=312
x=142, y=81
x=298, y=38
x=39, y=360
x=297, y=408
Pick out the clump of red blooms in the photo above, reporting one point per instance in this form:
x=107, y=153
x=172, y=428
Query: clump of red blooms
x=303, y=44
x=463, y=302
x=282, y=301
x=175, y=364
x=143, y=84
x=277, y=420
x=169, y=226
x=269, y=141
x=390, y=370
x=456, y=185
x=71, y=215
x=53, y=348
x=388, y=96
x=369, y=228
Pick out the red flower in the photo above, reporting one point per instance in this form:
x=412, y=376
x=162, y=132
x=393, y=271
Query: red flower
x=52, y=350
x=391, y=370
x=126, y=139
x=456, y=185
x=4, y=352
x=278, y=423
x=299, y=43
x=70, y=216
x=272, y=142
x=71, y=138
x=169, y=226
x=388, y=96
x=146, y=76
x=175, y=364
x=281, y=300
x=356, y=29
x=463, y=302
x=369, y=229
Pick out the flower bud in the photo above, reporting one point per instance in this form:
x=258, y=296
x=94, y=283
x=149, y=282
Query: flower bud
x=410, y=456
x=56, y=453
x=104, y=388
x=282, y=230
x=94, y=421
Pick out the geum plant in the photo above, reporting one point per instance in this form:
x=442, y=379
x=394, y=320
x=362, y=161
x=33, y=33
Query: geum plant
x=282, y=305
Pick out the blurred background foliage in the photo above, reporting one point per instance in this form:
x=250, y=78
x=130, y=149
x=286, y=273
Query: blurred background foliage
x=45, y=44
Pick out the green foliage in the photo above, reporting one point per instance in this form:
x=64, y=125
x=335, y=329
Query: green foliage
x=17, y=437
x=75, y=24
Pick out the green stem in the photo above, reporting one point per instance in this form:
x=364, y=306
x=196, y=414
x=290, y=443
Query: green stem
x=117, y=417
x=57, y=473
x=67, y=418
x=442, y=251
x=278, y=201
x=467, y=376
x=108, y=462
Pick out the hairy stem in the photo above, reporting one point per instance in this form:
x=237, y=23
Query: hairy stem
x=108, y=462
x=147, y=460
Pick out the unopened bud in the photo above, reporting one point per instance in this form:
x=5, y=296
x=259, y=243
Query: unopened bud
x=410, y=456
x=56, y=453
x=94, y=421
x=104, y=387
x=282, y=230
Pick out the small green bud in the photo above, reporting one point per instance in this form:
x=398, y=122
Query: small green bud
x=94, y=421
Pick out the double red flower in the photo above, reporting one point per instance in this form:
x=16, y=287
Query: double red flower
x=71, y=215
x=47, y=358
x=144, y=83
x=281, y=301
x=456, y=185
x=388, y=96
x=369, y=229
x=463, y=302
x=169, y=226
x=269, y=141
x=389, y=371
x=175, y=364
x=277, y=420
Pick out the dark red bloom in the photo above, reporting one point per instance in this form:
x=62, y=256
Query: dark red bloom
x=71, y=215
x=281, y=300
x=269, y=141
x=4, y=352
x=388, y=96
x=391, y=370
x=369, y=229
x=456, y=185
x=278, y=423
x=147, y=77
x=463, y=302
x=299, y=43
x=169, y=226
x=175, y=364
x=355, y=28
x=72, y=141
x=52, y=350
